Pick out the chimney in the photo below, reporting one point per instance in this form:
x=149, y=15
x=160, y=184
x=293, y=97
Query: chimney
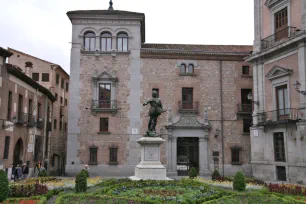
x=28, y=69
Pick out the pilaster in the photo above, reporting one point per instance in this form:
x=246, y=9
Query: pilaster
x=302, y=72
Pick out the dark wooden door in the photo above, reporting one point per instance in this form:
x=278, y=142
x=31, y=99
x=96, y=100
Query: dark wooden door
x=187, y=98
x=104, y=95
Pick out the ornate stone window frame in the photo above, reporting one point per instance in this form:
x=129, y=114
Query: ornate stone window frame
x=275, y=6
x=97, y=79
x=279, y=76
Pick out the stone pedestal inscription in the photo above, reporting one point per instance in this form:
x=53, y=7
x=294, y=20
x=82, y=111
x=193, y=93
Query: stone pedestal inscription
x=151, y=153
x=150, y=167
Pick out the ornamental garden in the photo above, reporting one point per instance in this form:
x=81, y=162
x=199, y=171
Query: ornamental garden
x=84, y=189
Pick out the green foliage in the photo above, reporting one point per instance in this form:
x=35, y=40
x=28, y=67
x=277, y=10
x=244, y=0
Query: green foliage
x=4, y=186
x=85, y=172
x=215, y=175
x=27, y=190
x=81, y=182
x=43, y=173
x=239, y=182
x=193, y=173
x=38, y=199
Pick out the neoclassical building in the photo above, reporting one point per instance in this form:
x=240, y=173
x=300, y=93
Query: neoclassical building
x=204, y=89
x=279, y=63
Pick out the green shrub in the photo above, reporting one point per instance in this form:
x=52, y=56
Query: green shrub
x=215, y=175
x=193, y=173
x=43, y=173
x=81, y=182
x=84, y=171
x=4, y=186
x=239, y=182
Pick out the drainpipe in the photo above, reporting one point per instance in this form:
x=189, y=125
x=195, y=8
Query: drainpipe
x=222, y=125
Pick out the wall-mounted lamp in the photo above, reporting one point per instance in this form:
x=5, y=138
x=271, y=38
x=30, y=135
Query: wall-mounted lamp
x=217, y=133
x=250, y=97
x=297, y=87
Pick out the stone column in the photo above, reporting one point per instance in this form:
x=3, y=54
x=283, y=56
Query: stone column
x=303, y=14
x=255, y=93
x=203, y=157
x=114, y=43
x=174, y=157
x=97, y=43
x=302, y=73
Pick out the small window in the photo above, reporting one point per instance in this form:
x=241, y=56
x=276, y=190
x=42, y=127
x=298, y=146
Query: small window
x=190, y=69
x=245, y=70
x=215, y=153
x=157, y=90
x=65, y=127
x=106, y=41
x=89, y=41
x=93, y=155
x=62, y=83
x=35, y=76
x=246, y=125
x=45, y=77
x=235, y=155
x=66, y=102
x=67, y=86
x=6, y=147
x=279, y=147
x=183, y=68
x=57, y=79
x=55, y=96
x=61, y=125
x=122, y=42
x=54, y=124
x=61, y=100
x=113, y=155
x=281, y=173
x=9, y=106
x=103, y=124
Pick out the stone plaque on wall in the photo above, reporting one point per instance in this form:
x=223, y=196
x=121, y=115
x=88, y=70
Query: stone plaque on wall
x=151, y=153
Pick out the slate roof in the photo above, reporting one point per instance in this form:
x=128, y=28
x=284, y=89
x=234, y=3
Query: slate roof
x=106, y=12
x=198, y=49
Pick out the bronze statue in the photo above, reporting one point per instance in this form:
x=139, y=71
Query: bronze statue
x=155, y=111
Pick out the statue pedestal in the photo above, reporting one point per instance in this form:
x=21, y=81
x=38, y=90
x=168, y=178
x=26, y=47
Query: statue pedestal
x=150, y=167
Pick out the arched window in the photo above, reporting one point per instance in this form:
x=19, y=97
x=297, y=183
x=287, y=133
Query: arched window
x=183, y=68
x=122, y=42
x=89, y=41
x=190, y=69
x=106, y=41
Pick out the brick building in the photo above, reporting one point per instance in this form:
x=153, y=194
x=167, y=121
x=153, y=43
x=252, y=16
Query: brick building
x=55, y=79
x=279, y=61
x=25, y=116
x=113, y=71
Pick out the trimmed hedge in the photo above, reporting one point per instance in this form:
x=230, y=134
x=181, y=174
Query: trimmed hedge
x=193, y=173
x=215, y=175
x=27, y=190
x=81, y=182
x=4, y=186
x=239, y=182
x=43, y=173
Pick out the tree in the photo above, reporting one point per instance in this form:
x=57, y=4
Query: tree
x=239, y=182
x=4, y=186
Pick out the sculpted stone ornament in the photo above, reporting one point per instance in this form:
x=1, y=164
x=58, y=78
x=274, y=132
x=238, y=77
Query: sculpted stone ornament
x=155, y=111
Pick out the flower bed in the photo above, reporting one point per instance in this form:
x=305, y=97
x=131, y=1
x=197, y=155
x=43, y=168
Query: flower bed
x=164, y=191
x=32, y=200
x=229, y=184
x=290, y=189
x=248, y=180
x=27, y=190
x=34, y=180
x=70, y=183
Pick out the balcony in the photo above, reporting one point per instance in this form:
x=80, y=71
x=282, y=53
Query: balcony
x=244, y=109
x=279, y=116
x=22, y=118
x=40, y=123
x=280, y=36
x=188, y=107
x=106, y=106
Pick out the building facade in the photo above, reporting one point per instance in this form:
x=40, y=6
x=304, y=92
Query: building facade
x=25, y=116
x=54, y=78
x=204, y=89
x=279, y=64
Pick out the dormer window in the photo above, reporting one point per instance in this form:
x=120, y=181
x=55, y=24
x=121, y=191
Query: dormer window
x=106, y=41
x=89, y=41
x=122, y=42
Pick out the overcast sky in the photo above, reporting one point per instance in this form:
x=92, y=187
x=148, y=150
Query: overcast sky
x=41, y=27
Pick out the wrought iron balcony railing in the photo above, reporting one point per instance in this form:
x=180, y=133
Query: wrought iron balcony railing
x=40, y=123
x=244, y=108
x=22, y=118
x=280, y=36
x=279, y=116
x=104, y=106
x=188, y=107
x=31, y=120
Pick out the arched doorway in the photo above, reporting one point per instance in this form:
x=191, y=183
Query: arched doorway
x=18, y=152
